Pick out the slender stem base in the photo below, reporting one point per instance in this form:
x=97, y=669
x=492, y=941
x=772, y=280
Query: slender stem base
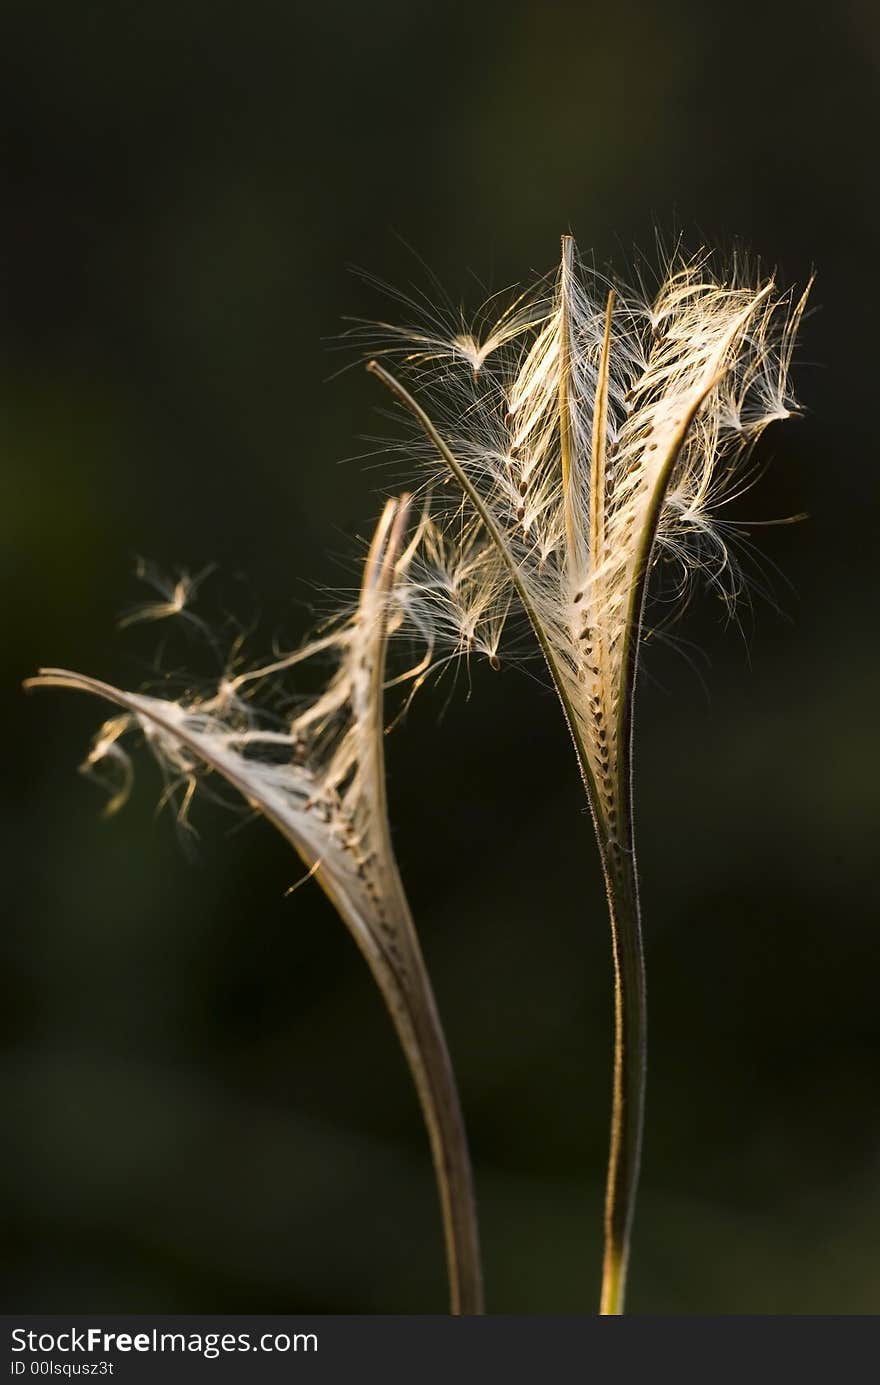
x=628, y=1098
x=454, y=1176
x=424, y=1044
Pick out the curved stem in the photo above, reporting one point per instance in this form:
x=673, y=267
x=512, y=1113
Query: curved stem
x=628, y=1090
x=618, y=855
x=424, y=1044
x=402, y=978
x=399, y=969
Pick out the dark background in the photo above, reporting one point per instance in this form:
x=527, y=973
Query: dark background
x=203, y=1104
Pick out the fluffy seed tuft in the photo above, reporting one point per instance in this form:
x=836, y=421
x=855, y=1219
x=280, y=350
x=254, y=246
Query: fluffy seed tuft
x=598, y=432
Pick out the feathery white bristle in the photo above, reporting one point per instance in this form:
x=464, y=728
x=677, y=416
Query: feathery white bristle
x=455, y=594
x=174, y=596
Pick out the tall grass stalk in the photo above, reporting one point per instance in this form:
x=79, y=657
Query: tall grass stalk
x=592, y=431
x=320, y=780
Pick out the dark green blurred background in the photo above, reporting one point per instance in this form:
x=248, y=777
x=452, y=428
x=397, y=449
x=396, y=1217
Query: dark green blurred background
x=204, y=1106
